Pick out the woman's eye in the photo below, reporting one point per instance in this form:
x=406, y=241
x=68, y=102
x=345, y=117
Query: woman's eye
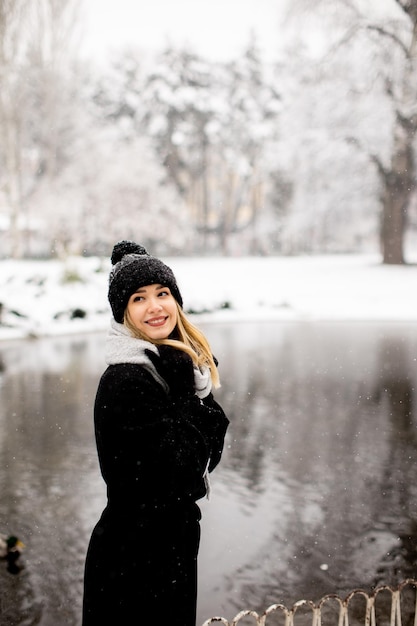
x=164, y=293
x=137, y=298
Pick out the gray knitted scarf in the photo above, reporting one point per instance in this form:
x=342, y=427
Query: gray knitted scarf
x=121, y=347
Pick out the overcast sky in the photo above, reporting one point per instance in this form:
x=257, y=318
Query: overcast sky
x=216, y=28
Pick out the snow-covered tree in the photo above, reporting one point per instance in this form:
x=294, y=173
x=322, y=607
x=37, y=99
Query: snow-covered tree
x=245, y=132
x=361, y=72
x=115, y=189
x=12, y=110
x=211, y=123
x=36, y=121
x=132, y=193
x=178, y=109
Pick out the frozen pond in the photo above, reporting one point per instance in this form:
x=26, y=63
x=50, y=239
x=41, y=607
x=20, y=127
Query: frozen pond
x=316, y=492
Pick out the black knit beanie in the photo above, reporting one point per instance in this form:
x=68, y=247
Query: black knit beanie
x=133, y=268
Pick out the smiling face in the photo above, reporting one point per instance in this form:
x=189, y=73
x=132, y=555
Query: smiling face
x=153, y=311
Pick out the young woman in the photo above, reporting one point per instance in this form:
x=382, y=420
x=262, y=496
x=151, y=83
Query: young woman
x=159, y=432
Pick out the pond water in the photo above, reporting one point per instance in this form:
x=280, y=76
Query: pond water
x=316, y=492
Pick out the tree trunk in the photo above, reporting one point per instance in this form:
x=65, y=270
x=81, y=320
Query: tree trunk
x=399, y=180
x=397, y=192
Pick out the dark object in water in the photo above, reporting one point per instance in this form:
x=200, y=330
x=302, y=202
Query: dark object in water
x=10, y=550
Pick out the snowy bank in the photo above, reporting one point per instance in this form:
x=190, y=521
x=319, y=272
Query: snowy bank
x=40, y=298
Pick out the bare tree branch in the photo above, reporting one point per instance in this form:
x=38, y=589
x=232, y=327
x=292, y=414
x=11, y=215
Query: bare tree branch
x=385, y=33
x=348, y=35
x=354, y=141
x=408, y=122
x=409, y=7
x=382, y=171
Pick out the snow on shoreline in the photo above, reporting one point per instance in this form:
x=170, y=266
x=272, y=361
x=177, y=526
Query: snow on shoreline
x=44, y=298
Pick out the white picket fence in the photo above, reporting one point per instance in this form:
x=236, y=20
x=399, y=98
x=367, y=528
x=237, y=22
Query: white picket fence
x=385, y=606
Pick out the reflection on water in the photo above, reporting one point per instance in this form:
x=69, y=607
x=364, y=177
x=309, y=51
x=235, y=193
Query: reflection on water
x=317, y=490
x=48, y=473
x=315, y=494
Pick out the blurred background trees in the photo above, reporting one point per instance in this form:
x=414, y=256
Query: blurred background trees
x=371, y=55
x=313, y=152
x=37, y=126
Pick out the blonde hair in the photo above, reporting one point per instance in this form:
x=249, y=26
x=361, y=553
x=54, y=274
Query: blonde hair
x=190, y=339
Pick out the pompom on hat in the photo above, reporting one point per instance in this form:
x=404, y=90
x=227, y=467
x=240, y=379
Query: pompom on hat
x=133, y=268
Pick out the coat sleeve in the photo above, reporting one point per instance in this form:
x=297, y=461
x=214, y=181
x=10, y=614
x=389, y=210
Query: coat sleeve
x=206, y=415
x=210, y=420
x=148, y=447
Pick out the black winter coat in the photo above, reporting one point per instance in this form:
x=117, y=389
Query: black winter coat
x=141, y=565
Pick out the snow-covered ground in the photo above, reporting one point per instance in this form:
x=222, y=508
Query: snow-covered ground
x=41, y=298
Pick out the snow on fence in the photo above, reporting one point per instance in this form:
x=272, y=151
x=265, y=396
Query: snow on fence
x=385, y=606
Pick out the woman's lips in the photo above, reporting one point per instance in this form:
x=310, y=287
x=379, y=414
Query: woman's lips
x=157, y=321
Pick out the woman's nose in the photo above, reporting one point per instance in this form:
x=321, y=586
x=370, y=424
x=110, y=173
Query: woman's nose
x=154, y=305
